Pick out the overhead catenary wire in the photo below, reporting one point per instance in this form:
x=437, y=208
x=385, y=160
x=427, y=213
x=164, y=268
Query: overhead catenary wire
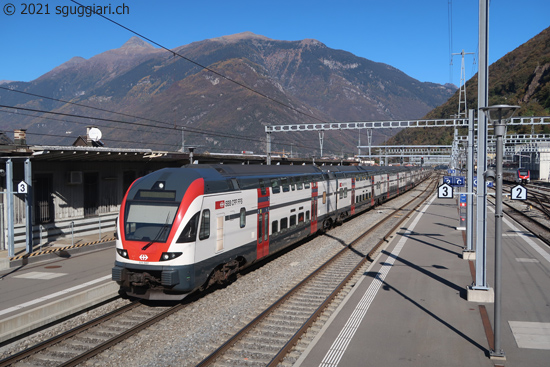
x=172, y=128
x=190, y=129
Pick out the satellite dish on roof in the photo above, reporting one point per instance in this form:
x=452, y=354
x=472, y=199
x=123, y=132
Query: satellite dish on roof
x=94, y=134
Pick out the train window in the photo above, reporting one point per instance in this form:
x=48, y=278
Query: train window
x=284, y=223
x=284, y=182
x=346, y=192
x=262, y=187
x=341, y=193
x=275, y=186
x=260, y=228
x=204, y=231
x=248, y=183
x=307, y=182
x=235, y=183
x=293, y=220
x=243, y=218
x=307, y=215
x=274, y=227
x=189, y=233
x=300, y=217
x=299, y=183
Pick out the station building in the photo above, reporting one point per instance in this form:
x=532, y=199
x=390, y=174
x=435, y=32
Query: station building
x=76, y=190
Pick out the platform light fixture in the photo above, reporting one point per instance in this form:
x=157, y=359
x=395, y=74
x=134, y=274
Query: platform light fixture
x=499, y=116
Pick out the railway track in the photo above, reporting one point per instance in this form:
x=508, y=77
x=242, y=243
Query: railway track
x=267, y=339
x=533, y=214
x=541, y=198
x=89, y=339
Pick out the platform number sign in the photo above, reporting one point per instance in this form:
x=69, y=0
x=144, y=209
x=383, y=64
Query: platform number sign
x=22, y=187
x=519, y=193
x=445, y=191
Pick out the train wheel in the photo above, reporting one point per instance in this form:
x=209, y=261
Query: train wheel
x=222, y=274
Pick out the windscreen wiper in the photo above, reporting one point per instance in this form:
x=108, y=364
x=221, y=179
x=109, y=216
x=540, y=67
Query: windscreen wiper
x=159, y=234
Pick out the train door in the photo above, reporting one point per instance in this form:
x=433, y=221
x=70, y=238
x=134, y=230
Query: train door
x=262, y=246
x=314, y=196
x=352, y=195
x=372, y=190
x=332, y=193
x=262, y=240
x=388, y=186
x=398, y=183
x=219, y=232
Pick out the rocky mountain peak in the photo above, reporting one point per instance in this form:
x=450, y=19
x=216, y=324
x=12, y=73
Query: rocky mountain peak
x=136, y=42
x=240, y=36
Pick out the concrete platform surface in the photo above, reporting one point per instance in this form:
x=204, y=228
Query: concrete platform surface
x=54, y=283
x=411, y=308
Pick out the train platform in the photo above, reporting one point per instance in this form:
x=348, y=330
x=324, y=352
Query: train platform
x=411, y=307
x=57, y=279
x=62, y=247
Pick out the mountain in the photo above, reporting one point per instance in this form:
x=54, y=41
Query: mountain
x=231, y=85
x=521, y=77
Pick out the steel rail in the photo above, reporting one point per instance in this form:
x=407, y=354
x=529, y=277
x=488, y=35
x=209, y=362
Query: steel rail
x=210, y=359
x=125, y=335
x=543, y=227
x=59, y=338
x=546, y=240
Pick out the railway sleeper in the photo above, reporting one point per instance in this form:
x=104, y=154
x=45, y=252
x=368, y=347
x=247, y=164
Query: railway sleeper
x=266, y=346
x=268, y=339
x=282, y=325
x=256, y=357
x=290, y=318
x=291, y=313
x=64, y=350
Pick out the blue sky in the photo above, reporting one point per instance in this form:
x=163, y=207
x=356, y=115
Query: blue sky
x=412, y=36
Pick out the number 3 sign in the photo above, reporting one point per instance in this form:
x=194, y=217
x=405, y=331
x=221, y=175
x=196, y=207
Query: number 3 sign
x=445, y=191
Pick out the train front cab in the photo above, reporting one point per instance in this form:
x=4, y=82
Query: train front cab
x=156, y=233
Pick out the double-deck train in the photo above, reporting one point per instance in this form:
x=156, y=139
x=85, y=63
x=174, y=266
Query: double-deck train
x=519, y=175
x=183, y=229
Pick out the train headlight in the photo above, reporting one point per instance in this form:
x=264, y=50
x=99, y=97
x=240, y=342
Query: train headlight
x=122, y=252
x=169, y=256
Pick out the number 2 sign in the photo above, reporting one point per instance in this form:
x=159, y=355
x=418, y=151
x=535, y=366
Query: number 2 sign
x=518, y=193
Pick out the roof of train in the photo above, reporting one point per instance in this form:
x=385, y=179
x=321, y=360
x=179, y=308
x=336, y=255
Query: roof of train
x=218, y=178
x=226, y=170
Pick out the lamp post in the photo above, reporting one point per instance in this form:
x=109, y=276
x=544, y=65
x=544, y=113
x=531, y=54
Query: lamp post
x=498, y=115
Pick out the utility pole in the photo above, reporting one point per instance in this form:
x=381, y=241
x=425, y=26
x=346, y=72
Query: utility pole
x=462, y=107
x=182, y=139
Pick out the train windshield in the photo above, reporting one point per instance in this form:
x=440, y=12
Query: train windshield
x=524, y=172
x=149, y=221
